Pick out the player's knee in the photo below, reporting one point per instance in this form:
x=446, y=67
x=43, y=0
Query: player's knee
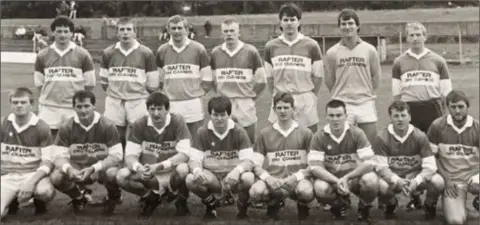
x=437, y=183
x=257, y=191
x=383, y=187
x=321, y=188
x=369, y=181
x=304, y=191
x=190, y=182
x=247, y=179
x=111, y=175
x=44, y=191
x=122, y=176
x=182, y=170
x=58, y=178
x=455, y=219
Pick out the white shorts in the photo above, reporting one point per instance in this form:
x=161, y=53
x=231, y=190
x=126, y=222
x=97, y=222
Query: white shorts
x=124, y=112
x=306, y=113
x=243, y=109
x=191, y=110
x=13, y=181
x=363, y=113
x=55, y=116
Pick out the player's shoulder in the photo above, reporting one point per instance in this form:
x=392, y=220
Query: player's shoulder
x=475, y=124
x=176, y=119
x=140, y=123
x=367, y=45
x=439, y=123
x=197, y=45
x=217, y=49
x=273, y=42
x=436, y=57
x=81, y=50
x=145, y=49
x=67, y=125
x=333, y=50
x=356, y=132
x=267, y=130
x=304, y=131
x=238, y=129
x=43, y=52
x=418, y=135
x=42, y=126
x=106, y=122
x=163, y=47
x=310, y=41
x=400, y=58
x=250, y=47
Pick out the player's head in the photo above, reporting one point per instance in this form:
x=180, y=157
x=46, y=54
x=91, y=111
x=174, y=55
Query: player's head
x=290, y=15
x=336, y=114
x=458, y=104
x=399, y=112
x=62, y=28
x=126, y=30
x=177, y=27
x=21, y=101
x=158, y=105
x=230, y=31
x=349, y=23
x=416, y=34
x=220, y=109
x=84, y=104
x=283, y=105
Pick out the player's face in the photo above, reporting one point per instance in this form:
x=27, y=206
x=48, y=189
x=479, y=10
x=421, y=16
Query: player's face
x=416, y=38
x=177, y=31
x=336, y=118
x=126, y=32
x=219, y=119
x=230, y=32
x=20, y=106
x=85, y=109
x=284, y=111
x=289, y=24
x=348, y=28
x=62, y=34
x=157, y=113
x=458, y=110
x=400, y=119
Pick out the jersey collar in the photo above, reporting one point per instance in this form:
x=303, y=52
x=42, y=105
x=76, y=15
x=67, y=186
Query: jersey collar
x=235, y=51
x=358, y=41
x=178, y=50
x=395, y=135
x=230, y=125
x=467, y=124
x=168, y=119
x=327, y=130
x=32, y=122
x=96, y=118
x=70, y=46
x=419, y=56
x=285, y=133
x=126, y=52
x=300, y=36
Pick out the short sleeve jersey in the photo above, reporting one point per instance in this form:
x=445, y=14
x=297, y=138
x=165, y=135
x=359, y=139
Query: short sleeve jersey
x=126, y=72
x=458, y=148
x=182, y=78
x=24, y=147
x=88, y=145
x=235, y=72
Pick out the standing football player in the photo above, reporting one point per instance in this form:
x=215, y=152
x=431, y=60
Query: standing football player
x=238, y=73
x=293, y=63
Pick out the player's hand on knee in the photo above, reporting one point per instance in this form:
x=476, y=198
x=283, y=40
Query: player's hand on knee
x=85, y=173
x=412, y=186
x=451, y=190
x=273, y=183
x=232, y=178
x=146, y=172
x=290, y=183
x=73, y=174
x=342, y=186
x=26, y=191
x=199, y=176
x=404, y=184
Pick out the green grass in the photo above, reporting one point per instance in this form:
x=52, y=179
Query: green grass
x=465, y=78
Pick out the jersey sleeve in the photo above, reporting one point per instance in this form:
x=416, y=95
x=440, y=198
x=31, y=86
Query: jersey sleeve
x=433, y=137
x=259, y=150
x=88, y=70
x=396, y=81
x=213, y=65
x=112, y=140
x=135, y=139
x=198, y=145
x=364, y=148
x=425, y=148
x=258, y=67
x=445, y=82
x=46, y=144
x=62, y=142
x=267, y=56
x=204, y=63
x=183, y=137
x=317, y=63
x=382, y=167
x=38, y=74
x=316, y=154
x=153, y=76
x=159, y=59
x=244, y=145
x=375, y=67
x=104, y=66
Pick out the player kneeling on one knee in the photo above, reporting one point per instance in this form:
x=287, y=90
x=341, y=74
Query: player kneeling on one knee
x=284, y=148
x=342, y=161
x=88, y=150
x=221, y=160
x=25, y=164
x=155, y=157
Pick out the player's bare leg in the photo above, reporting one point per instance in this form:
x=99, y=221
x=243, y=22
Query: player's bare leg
x=251, y=131
x=44, y=192
x=303, y=194
x=327, y=194
x=259, y=192
x=179, y=186
x=366, y=188
x=62, y=183
x=193, y=127
x=370, y=129
x=434, y=188
x=9, y=194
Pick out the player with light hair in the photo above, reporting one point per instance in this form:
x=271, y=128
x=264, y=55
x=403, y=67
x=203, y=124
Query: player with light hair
x=455, y=140
x=352, y=74
x=61, y=70
x=128, y=74
x=293, y=63
x=238, y=73
x=156, y=157
x=26, y=156
x=281, y=161
x=341, y=161
x=185, y=73
x=87, y=150
x=221, y=160
x=406, y=162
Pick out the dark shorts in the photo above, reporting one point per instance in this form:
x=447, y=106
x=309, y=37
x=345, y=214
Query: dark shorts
x=423, y=113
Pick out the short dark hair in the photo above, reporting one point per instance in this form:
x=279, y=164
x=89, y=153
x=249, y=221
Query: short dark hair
x=457, y=96
x=82, y=95
x=158, y=99
x=220, y=104
x=335, y=103
x=284, y=97
x=291, y=10
x=21, y=92
x=399, y=106
x=347, y=14
x=62, y=21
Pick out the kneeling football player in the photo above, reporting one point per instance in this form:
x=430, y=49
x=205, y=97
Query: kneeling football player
x=156, y=157
x=26, y=163
x=221, y=160
x=341, y=160
x=88, y=150
x=406, y=162
x=282, y=149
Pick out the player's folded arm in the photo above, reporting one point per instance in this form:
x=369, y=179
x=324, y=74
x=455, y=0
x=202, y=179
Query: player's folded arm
x=316, y=159
x=429, y=164
x=196, y=159
x=114, y=158
x=182, y=156
x=103, y=72
x=382, y=168
x=132, y=154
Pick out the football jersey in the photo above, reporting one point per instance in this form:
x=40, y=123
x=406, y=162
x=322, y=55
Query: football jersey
x=62, y=73
x=88, y=145
x=352, y=70
x=283, y=153
x=128, y=73
x=339, y=155
x=236, y=72
x=222, y=152
x=183, y=69
x=420, y=77
x=291, y=64
x=153, y=145
x=458, y=148
x=24, y=148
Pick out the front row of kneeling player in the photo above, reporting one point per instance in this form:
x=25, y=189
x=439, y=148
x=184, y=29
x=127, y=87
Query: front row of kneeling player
x=287, y=160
